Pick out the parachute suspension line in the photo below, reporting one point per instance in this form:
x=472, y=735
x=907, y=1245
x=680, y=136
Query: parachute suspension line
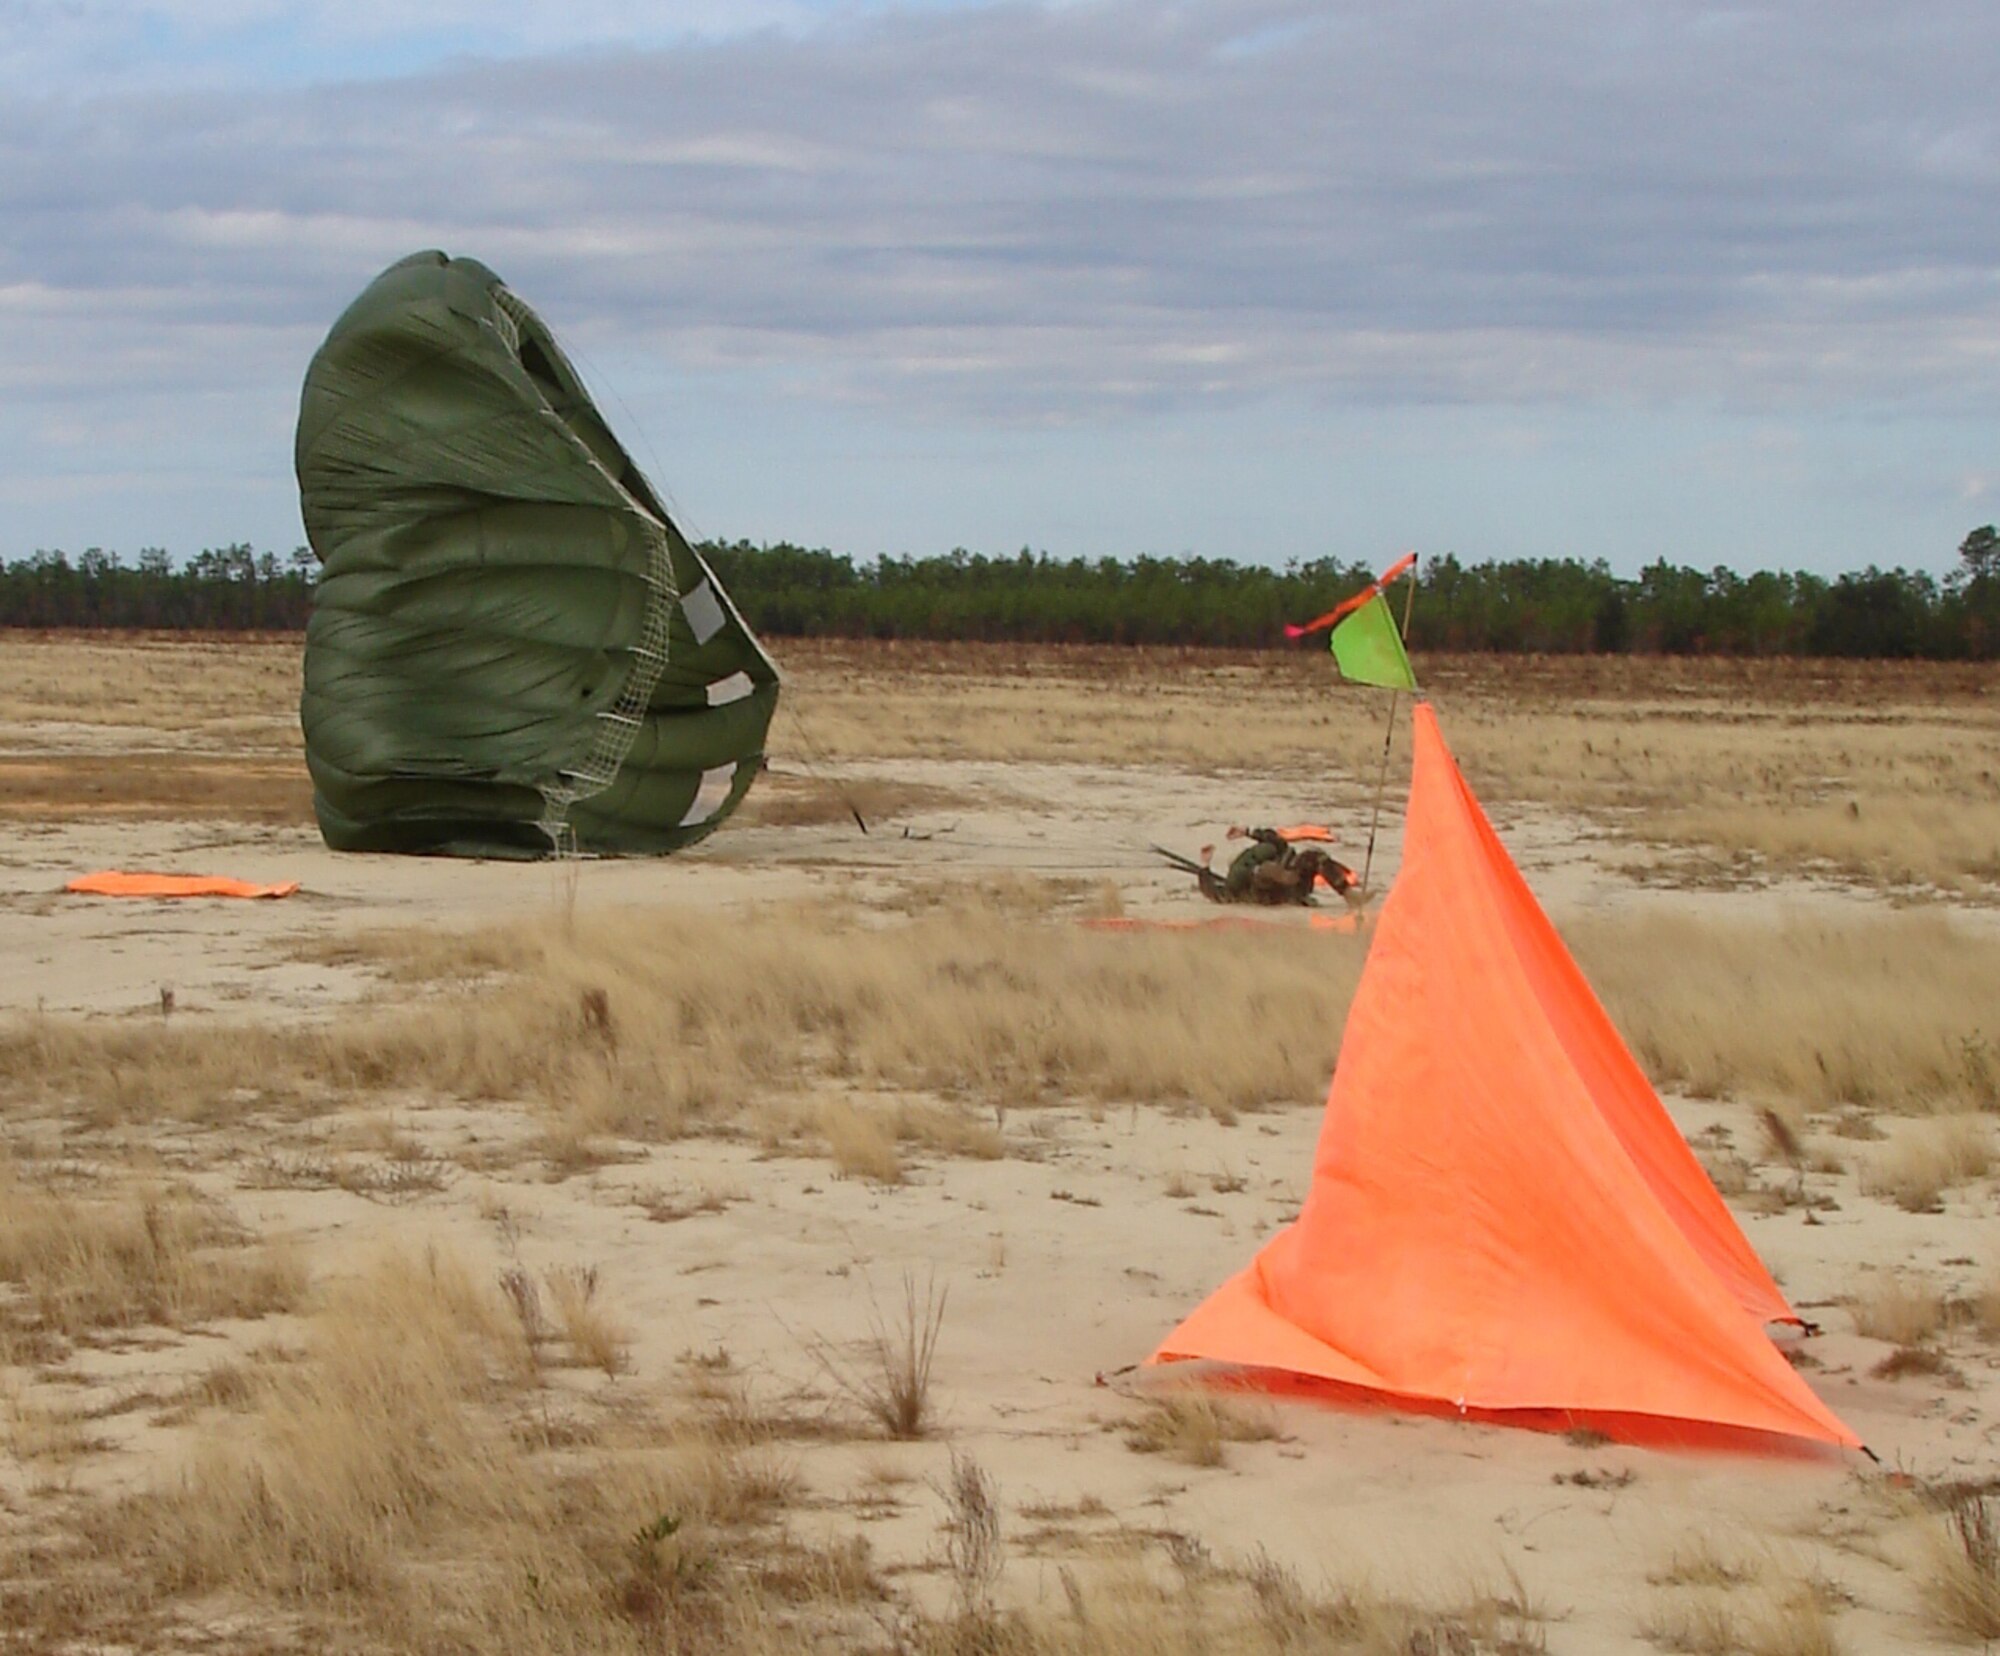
x=617, y=725
x=813, y=753
x=1388, y=737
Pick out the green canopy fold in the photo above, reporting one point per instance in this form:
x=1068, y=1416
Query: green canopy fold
x=512, y=649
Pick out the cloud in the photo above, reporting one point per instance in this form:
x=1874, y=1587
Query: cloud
x=1015, y=215
x=1031, y=212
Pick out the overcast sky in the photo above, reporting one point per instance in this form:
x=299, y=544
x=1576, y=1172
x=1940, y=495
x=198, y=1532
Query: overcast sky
x=1234, y=277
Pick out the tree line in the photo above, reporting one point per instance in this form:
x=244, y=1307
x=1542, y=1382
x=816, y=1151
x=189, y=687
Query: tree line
x=1544, y=605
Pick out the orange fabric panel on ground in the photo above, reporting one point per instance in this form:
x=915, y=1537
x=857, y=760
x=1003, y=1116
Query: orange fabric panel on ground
x=1349, y=922
x=1495, y=1221
x=111, y=883
x=1306, y=831
x=1219, y=922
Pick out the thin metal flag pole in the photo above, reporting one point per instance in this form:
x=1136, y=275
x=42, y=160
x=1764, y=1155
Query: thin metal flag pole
x=1388, y=738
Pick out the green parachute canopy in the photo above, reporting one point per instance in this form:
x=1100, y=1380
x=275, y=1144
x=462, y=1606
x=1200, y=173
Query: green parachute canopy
x=512, y=648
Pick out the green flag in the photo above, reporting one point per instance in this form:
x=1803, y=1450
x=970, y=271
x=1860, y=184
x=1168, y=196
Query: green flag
x=1369, y=650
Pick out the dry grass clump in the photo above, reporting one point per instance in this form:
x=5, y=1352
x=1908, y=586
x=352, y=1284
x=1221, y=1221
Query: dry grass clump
x=1747, y=1604
x=122, y=1258
x=1795, y=1622
x=1923, y=1361
x=1888, y=1010
x=595, y=1337
x=45, y=1435
x=889, y=1377
x=396, y=1489
x=1895, y=1306
x=1699, y=1560
x=950, y=1130
x=1116, y=1601
x=1982, y=1309
x=973, y=1550
x=862, y=1141
x=1192, y=1427
x=1962, y=1580
x=867, y=1140
x=1928, y=1158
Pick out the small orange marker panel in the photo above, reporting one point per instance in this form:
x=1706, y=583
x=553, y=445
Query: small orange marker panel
x=111, y=883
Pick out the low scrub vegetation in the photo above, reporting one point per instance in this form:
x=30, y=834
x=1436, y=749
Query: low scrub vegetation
x=1963, y=1579
x=656, y=1025
x=1193, y=1427
x=1927, y=1159
x=120, y=1257
x=1897, y=1306
x=887, y=1376
x=650, y=1026
x=400, y=1486
x=1892, y=1010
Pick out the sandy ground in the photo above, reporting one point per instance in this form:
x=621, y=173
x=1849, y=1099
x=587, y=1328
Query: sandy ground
x=1065, y=1261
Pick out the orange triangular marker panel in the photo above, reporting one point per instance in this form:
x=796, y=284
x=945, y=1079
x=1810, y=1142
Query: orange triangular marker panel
x=112, y=883
x=1502, y=1216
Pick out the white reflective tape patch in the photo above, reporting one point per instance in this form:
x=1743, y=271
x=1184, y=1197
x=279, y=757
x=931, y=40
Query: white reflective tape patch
x=731, y=689
x=703, y=611
x=710, y=796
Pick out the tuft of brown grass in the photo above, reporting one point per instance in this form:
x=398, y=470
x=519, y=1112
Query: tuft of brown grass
x=862, y=1141
x=1192, y=1427
x=1923, y=1360
x=889, y=1379
x=128, y=1257
x=973, y=1552
x=1898, y=1307
x=950, y=1130
x=1750, y=1606
x=1983, y=1308
x=1784, y=1135
x=1927, y=1159
x=1962, y=1581
x=1700, y=1561
x=35, y=1432
x=595, y=1337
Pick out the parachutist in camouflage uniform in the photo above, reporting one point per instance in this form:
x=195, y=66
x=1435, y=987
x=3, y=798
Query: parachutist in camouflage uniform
x=1267, y=855
x=1270, y=872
